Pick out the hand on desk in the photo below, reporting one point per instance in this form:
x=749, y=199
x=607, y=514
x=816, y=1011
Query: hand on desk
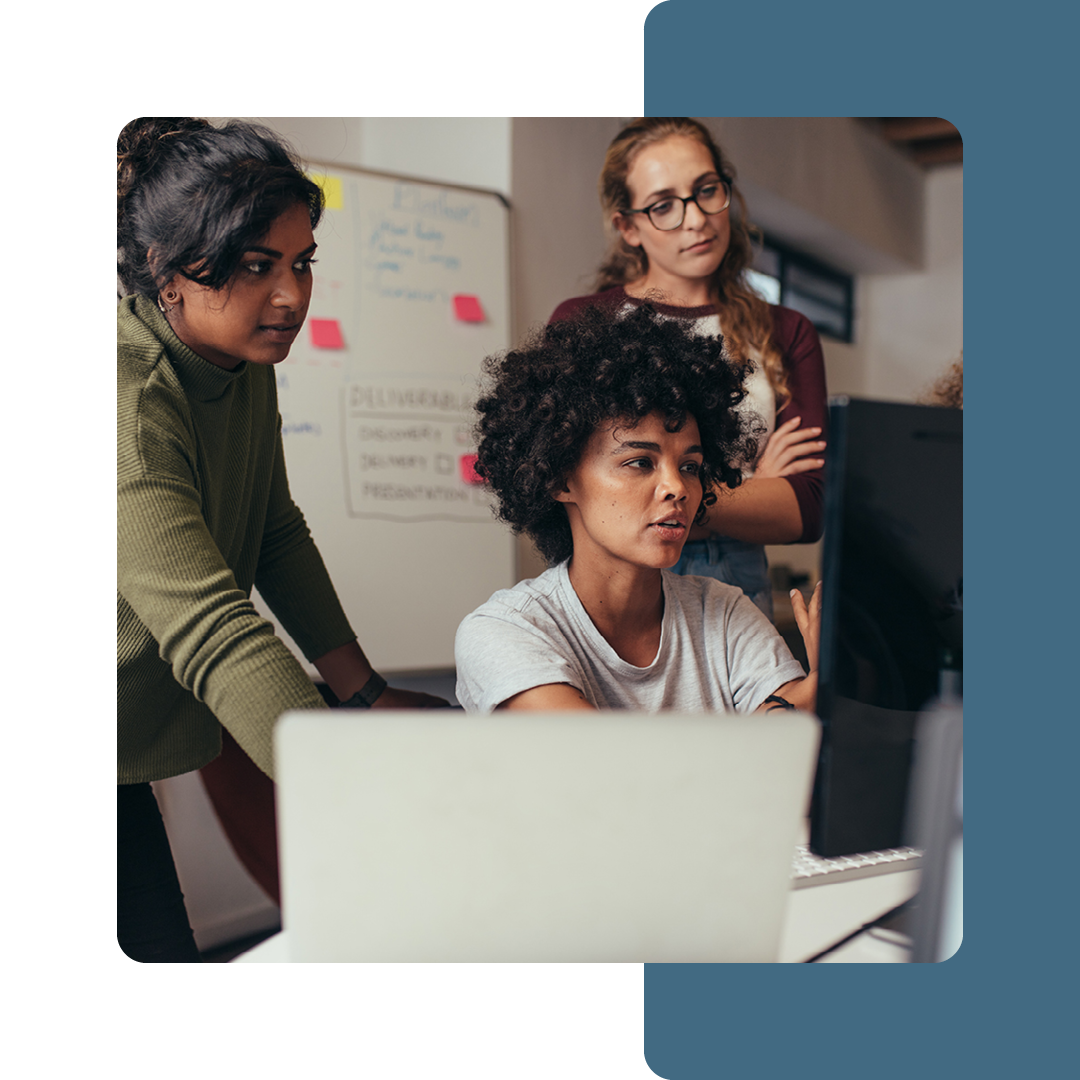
x=393, y=698
x=346, y=670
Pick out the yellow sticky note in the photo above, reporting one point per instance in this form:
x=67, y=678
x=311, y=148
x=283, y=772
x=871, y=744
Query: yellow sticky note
x=331, y=188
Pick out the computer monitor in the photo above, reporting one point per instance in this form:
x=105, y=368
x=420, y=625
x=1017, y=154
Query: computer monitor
x=892, y=610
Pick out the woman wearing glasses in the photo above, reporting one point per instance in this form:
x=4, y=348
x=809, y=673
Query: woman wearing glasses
x=668, y=195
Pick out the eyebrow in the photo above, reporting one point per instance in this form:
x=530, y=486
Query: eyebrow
x=695, y=449
x=277, y=254
x=668, y=191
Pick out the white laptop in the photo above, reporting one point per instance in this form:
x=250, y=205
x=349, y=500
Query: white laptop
x=442, y=836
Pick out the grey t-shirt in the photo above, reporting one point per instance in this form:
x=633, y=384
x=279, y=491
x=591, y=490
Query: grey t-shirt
x=717, y=650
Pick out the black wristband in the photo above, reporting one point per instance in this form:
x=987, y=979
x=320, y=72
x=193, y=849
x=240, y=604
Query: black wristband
x=781, y=703
x=365, y=697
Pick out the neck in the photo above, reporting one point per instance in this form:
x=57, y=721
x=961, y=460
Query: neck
x=679, y=292
x=626, y=606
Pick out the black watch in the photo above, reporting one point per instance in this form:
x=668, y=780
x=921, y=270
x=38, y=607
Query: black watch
x=781, y=703
x=367, y=695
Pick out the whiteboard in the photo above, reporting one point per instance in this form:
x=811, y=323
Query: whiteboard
x=376, y=400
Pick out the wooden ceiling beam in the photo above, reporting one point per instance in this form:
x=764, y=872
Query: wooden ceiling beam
x=908, y=128
x=939, y=152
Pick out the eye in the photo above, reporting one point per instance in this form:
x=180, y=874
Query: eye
x=663, y=207
x=257, y=266
x=640, y=463
x=693, y=468
x=303, y=266
x=708, y=191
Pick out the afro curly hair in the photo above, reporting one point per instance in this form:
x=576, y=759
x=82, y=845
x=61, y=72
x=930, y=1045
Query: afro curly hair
x=541, y=403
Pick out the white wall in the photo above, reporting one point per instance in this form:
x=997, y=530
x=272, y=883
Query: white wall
x=910, y=327
x=469, y=150
x=557, y=227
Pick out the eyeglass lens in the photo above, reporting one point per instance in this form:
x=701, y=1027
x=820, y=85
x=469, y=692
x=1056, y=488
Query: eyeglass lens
x=669, y=213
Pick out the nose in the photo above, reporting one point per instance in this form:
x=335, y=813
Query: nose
x=288, y=291
x=693, y=216
x=672, y=484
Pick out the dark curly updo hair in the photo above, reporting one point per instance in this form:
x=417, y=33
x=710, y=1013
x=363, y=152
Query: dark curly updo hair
x=542, y=402
x=198, y=197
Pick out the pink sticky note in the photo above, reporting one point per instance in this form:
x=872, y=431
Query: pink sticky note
x=326, y=334
x=468, y=309
x=467, y=464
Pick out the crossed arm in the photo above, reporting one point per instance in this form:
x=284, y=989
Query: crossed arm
x=764, y=509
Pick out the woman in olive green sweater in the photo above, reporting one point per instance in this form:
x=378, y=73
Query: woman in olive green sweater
x=214, y=249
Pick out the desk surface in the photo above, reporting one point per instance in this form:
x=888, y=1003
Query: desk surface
x=822, y=915
x=816, y=918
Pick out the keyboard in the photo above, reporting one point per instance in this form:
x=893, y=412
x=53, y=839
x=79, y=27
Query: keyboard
x=809, y=869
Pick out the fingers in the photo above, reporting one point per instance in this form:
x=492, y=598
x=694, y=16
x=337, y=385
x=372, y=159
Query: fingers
x=804, y=612
x=789, y=448
x=800, y=465
x=812, y=634
x=798, y=606
x=394, y=698
x=808, y=620
x=799, y=440
x=790, y=432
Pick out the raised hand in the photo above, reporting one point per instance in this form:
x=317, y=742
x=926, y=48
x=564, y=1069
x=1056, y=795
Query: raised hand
x=808, y=620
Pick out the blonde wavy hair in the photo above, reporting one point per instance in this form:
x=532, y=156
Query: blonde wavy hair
x=745, y=317
x=949, y=389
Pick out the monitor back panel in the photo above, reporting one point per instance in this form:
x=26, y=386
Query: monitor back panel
x=892, y=619
x=564, y=837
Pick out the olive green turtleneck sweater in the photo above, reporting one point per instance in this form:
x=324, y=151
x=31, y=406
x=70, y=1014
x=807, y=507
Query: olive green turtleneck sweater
x=203, y=514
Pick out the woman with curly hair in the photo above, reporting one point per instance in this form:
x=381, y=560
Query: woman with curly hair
x=215, y=247
x=602, y=439
x=680, y=238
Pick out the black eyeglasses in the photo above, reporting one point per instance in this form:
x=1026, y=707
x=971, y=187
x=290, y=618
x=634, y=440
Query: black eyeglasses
x=668, y=213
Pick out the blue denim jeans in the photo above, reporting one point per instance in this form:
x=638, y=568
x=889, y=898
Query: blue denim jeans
x=732, y=561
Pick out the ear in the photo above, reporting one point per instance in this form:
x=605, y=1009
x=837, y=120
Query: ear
x=172, y=293
x=561, y=493
x=628, y=229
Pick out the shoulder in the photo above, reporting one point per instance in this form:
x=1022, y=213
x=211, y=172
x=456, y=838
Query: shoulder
x=142, y=359
x=570, y=309
x=144, y=376
x=792, y=330
x=137, y=347
x=512, y=635
x=705, y=594
x=529, y=603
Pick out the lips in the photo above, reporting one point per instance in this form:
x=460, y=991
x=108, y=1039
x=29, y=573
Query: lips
x=280, y=332
x=703, y=245
x=673, y=525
